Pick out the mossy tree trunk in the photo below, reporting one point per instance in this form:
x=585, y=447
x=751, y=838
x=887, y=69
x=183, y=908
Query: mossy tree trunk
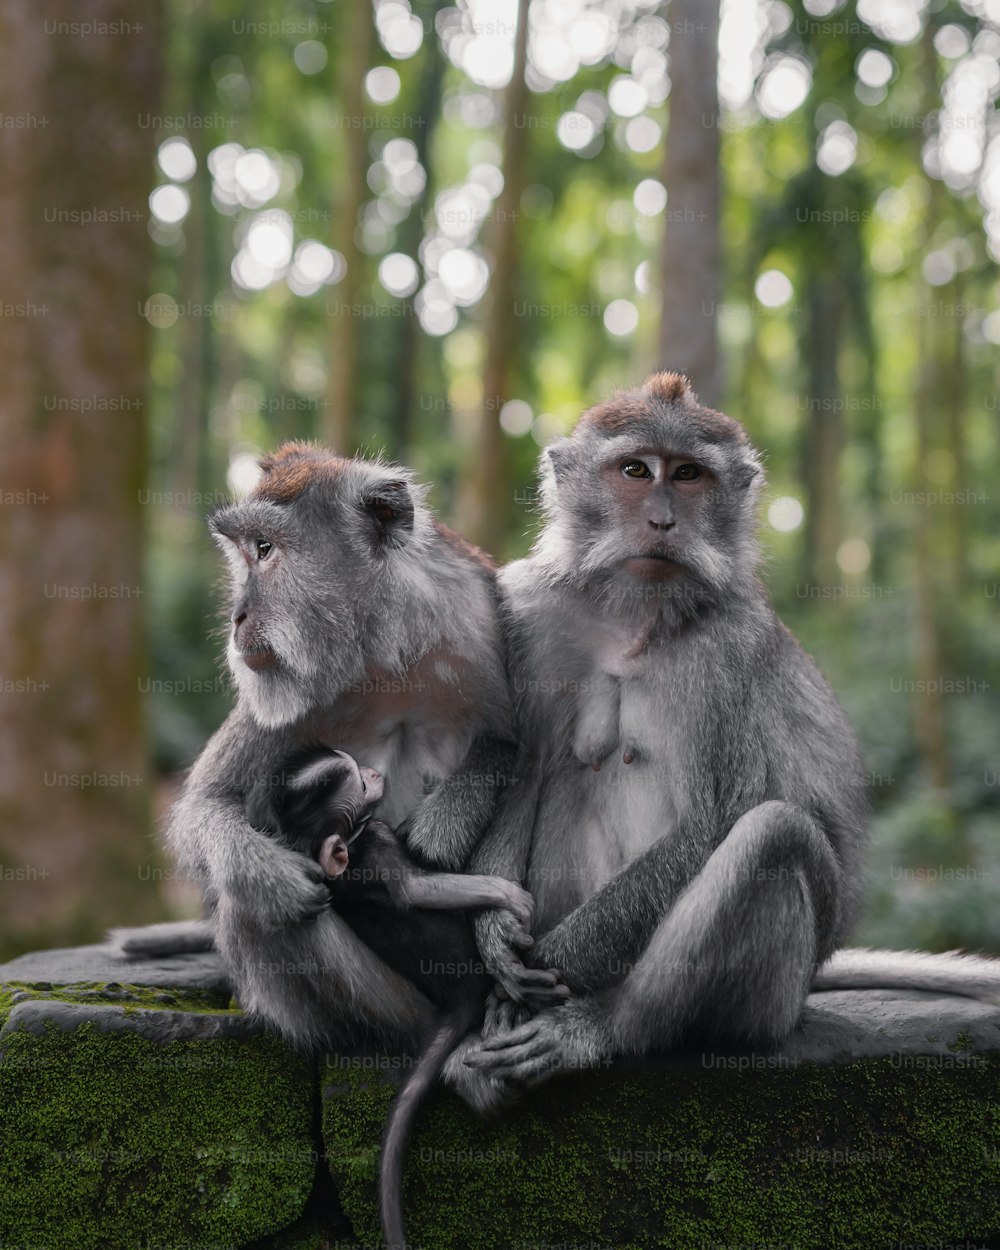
x=78, y=167
x=691, y=261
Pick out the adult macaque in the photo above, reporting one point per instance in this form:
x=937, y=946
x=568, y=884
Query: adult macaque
x=690, y=812
x=358, y=623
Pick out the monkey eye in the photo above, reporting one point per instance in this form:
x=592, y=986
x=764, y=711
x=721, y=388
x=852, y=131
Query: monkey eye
x=686, y=473
x=263, y=548
x=636, y=469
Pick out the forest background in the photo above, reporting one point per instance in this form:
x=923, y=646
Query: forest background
x=443, y=232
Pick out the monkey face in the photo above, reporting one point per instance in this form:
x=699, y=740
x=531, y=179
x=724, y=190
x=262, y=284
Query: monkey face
x=651, y=490
x=316, y=554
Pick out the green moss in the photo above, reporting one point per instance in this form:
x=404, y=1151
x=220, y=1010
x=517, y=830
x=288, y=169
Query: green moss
x=130, y=997
x=116, y=1141
x=867, y=1155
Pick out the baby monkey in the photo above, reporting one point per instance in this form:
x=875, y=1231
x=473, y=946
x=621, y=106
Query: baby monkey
x=321, y=804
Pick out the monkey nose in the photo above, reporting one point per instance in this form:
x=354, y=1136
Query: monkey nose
x=657, y=524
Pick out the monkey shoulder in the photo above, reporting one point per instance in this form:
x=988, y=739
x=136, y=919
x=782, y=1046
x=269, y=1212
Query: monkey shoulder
x=548, y=664
x=231, y=762
x=478, y=561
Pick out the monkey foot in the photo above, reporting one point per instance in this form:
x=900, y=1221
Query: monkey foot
x=482, y=1091
x=564, y=1039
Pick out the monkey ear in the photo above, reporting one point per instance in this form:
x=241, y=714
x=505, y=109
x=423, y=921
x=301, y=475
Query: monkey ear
x=390, y=508
x=333, y=855
x=746, y=472
x=557, y=457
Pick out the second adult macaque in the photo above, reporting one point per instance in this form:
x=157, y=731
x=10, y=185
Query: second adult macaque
x=690, y=810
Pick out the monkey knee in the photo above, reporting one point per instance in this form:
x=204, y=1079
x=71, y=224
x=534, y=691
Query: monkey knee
x=780, y=833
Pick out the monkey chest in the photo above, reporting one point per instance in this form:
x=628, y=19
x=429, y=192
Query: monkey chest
x=609, y=799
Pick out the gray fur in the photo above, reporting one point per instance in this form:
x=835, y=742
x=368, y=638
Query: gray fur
x=950, y=973
x=700, y=891
x=693, y=891
x=387, y=651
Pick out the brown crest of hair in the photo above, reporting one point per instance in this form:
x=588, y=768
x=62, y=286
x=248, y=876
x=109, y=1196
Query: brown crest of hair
x=465, y=548
x=290, y=469
x=672, y=388
x=630, y=408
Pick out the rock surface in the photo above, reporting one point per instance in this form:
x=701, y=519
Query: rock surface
x=76, y=964
x=139, y=1107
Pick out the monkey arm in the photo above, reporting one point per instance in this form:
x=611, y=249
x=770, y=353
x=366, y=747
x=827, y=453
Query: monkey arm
x=240, y=868
x=454, y=891
x=504, y=849
x=451, y=820
x=383, y=858
x=597, y=944
x=500, y=934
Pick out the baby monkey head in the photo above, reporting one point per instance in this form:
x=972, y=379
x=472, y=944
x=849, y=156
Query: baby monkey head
x=317, y=803
x=317, y=555
x=652, y=498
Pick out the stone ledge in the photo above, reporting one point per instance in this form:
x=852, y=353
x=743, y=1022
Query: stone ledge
x=878, y=1125
x=138, y=1107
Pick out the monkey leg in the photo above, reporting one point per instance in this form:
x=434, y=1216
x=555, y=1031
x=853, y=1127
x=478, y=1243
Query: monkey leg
x=319, y=985
x=731, y=961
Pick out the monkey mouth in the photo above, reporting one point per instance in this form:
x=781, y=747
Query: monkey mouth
x=653, y=564
x=258, y=658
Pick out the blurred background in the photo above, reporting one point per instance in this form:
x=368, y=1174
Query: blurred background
x=444, y=231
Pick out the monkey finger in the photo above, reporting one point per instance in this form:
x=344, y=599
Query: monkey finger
x=535, y=976
x=547, y=996
x=521, y=914
x=525, y=985
x=521, y=1034
x=519, y=936
x=538, y=1049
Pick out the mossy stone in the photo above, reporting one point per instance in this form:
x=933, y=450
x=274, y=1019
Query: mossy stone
x=113, y=1140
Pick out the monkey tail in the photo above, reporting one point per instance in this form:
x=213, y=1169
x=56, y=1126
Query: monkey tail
x=402, y=1114
x=161, y=941
x=972, y=976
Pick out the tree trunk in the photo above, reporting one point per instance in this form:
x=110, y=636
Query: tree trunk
x=411, y=233
x=930, y=710
x=691, y=268
x=355, y=34
x=954, y=405
x=74, y=793
x=824, y=432
x=484, y=499
x=931, y=726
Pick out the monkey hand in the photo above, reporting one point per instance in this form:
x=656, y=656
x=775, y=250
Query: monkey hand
x=564, y=1039
x=277, y=889
x=501, y=1015
x=500, y=936
x=517, y=901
